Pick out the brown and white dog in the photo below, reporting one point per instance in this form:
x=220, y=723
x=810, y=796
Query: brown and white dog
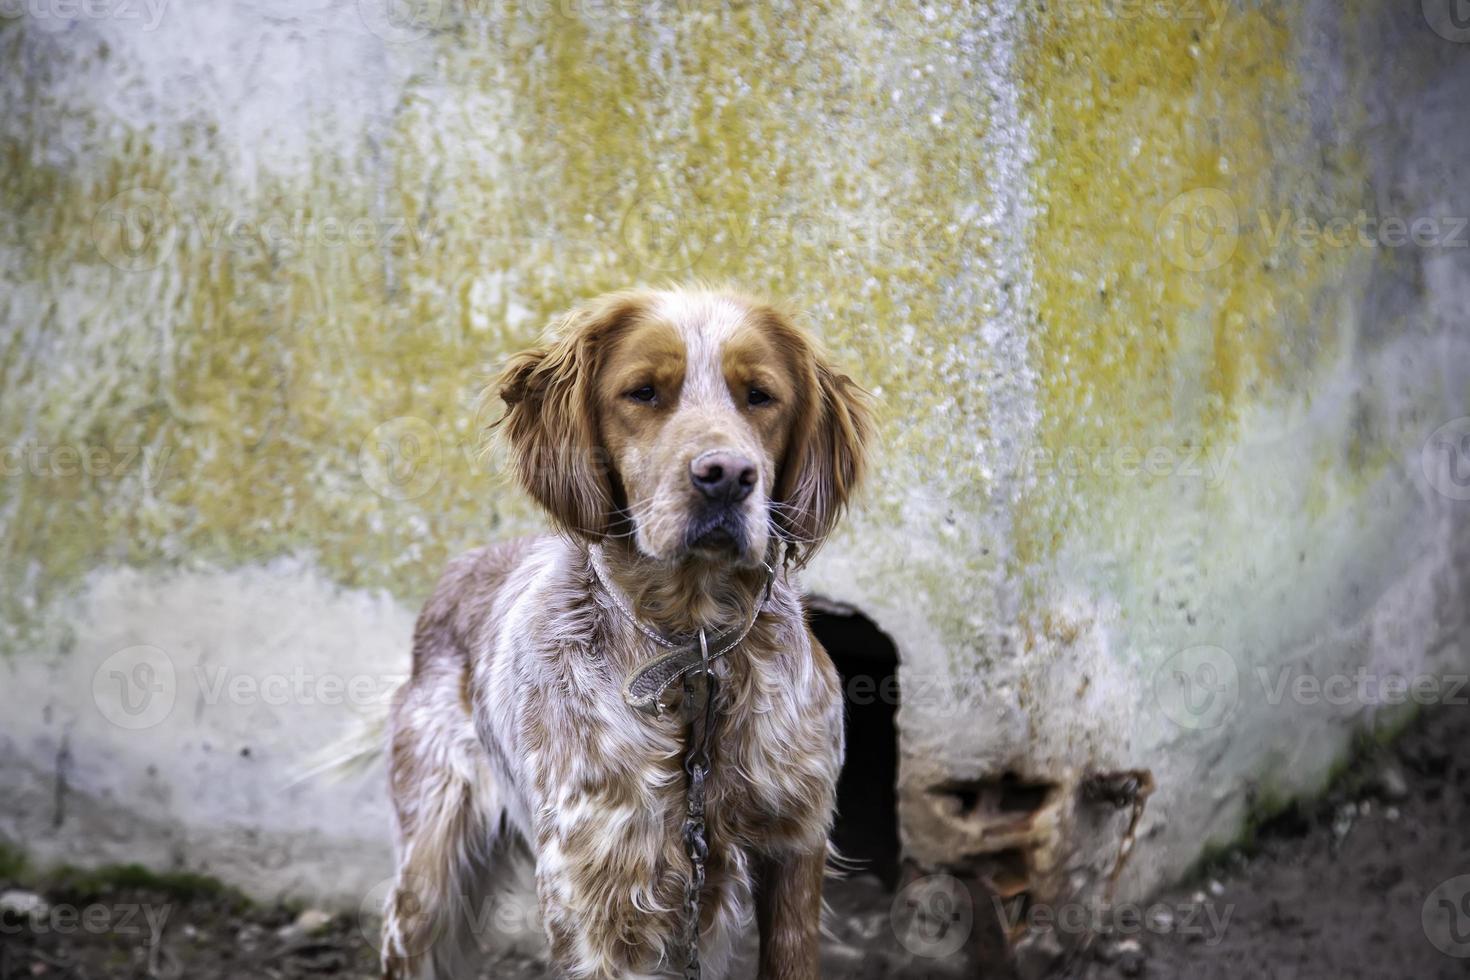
x=675, y=438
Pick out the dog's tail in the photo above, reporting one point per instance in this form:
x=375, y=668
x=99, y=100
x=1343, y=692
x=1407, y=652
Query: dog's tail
x=356, y=752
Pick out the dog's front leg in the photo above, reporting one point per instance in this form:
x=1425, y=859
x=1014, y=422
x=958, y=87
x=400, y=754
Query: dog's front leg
x=789, y=912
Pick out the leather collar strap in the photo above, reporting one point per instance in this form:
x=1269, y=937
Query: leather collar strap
x=645, y=688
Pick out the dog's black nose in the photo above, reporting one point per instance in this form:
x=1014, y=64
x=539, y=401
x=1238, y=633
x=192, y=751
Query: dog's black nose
x=725, y=477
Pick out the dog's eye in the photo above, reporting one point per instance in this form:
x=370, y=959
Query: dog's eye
x=644, y=394
x=757, y=397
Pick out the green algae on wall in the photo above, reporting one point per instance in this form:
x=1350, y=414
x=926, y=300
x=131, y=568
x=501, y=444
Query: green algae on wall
x=233, y=367
x=1168, y=141
x=301, y=352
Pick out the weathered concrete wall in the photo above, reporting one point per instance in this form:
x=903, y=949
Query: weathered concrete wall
x=1145, y=436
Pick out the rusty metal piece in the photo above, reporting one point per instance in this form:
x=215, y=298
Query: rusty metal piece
x=1121, y=789
x=1117, y=788
x=1009, y=832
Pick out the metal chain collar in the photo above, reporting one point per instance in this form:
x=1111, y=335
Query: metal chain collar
x=599, y=571
x=645, y=688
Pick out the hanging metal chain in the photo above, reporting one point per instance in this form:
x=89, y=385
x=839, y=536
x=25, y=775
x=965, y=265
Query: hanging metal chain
x=644, y=690
x=697, y=765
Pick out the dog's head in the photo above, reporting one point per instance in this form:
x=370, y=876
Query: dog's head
x=697, y=423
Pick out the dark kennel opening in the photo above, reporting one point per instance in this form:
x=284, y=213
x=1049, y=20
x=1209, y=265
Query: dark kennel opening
x=866, y=831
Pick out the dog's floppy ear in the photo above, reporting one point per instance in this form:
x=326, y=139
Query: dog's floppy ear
x=551, y=420
x=826, y=457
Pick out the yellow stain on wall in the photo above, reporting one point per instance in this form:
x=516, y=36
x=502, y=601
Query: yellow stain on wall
x=1170, y=139
x=313, y=392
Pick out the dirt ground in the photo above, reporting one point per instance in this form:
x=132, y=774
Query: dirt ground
x=1348, y=887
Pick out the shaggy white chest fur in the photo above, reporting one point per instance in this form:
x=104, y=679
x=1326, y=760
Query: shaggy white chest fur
x=596, y=790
